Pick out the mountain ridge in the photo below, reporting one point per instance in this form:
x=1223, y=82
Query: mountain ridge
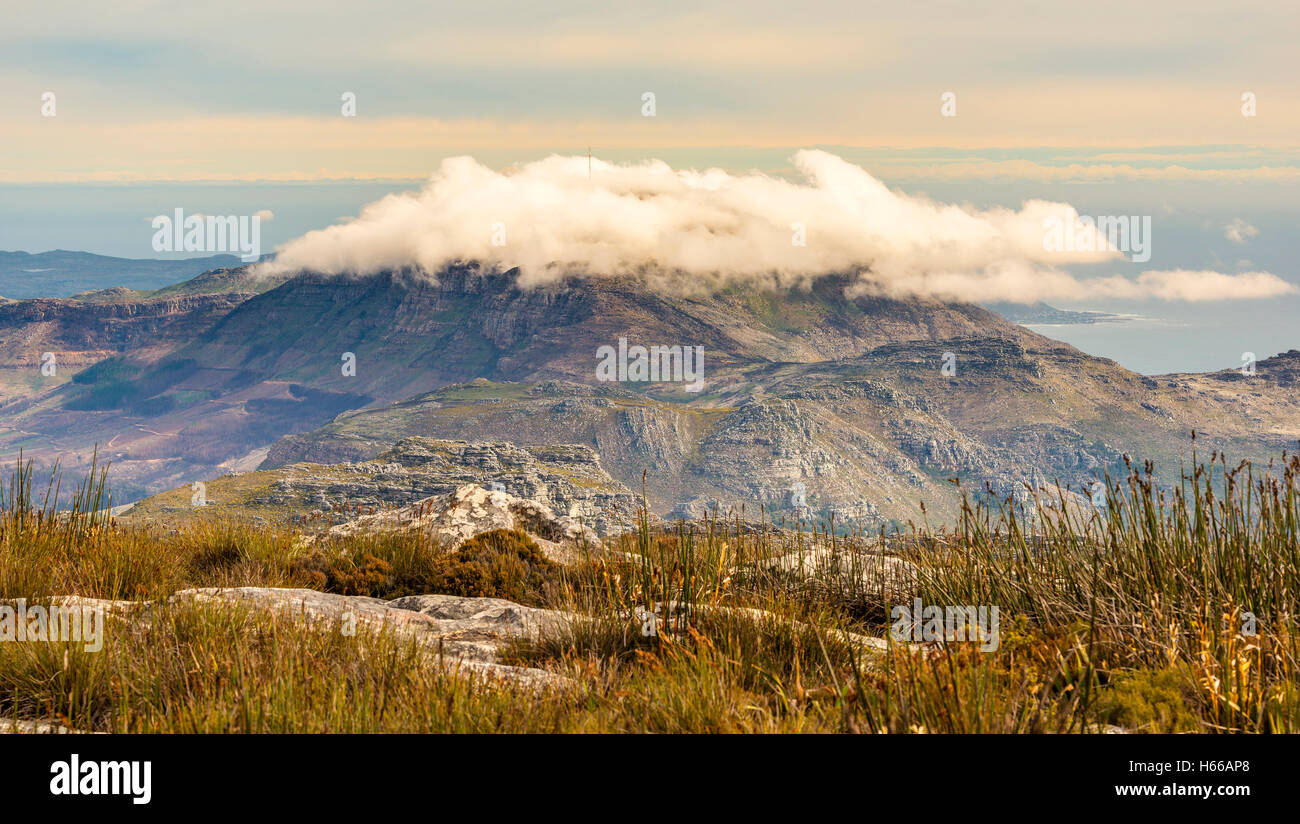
x=870, y=403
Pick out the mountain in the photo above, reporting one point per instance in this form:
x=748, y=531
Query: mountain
x=1043, y=313
x=868, y=438
x=76, y=373
x=68, y=336
x=812, y=401
x=411, y=333
x=88, y=328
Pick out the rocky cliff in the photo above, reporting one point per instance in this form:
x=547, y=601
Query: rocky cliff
x=568, y=479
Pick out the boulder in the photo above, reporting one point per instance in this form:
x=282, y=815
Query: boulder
x=885, y=577
x=464, y=634
x=471, y=510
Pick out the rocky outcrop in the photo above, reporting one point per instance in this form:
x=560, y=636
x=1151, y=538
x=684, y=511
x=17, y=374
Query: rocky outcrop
x=462, y=634
x=564, y=478
x=1282, y=369
x=470, y=510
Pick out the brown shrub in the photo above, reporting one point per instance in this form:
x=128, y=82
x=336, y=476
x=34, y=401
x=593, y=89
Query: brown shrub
x=499, y=564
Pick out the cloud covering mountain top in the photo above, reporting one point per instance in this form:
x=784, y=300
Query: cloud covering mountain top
x=709, y=228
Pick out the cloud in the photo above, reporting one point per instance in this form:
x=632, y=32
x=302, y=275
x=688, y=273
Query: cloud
x=709, y=228
x=1239, y=231
x=265, y=215
x=1201, y=286
x=1020, y=283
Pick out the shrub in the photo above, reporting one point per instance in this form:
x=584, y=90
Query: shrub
x=1150, y=701
x=343, y=575
x=499, y=564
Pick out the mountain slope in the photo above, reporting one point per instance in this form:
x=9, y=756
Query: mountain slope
x=412, y=334
x=868, y=438
x=865, y=406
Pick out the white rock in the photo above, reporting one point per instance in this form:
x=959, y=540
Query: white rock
x=461, y=633
x=471, y=510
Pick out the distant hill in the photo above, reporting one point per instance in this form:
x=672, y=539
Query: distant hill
x=61, y=274
x=1043, y=313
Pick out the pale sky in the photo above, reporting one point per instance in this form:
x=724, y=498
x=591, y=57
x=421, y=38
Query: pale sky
x=152, y=91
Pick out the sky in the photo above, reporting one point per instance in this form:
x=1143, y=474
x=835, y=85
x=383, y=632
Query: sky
x=1186, y=112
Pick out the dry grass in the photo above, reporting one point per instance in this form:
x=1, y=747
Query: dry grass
x=1130, y=615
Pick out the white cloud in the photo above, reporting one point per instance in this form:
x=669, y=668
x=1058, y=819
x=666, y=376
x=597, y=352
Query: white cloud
x=1239, y=231
x=713, y=227
x=1020, y=283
